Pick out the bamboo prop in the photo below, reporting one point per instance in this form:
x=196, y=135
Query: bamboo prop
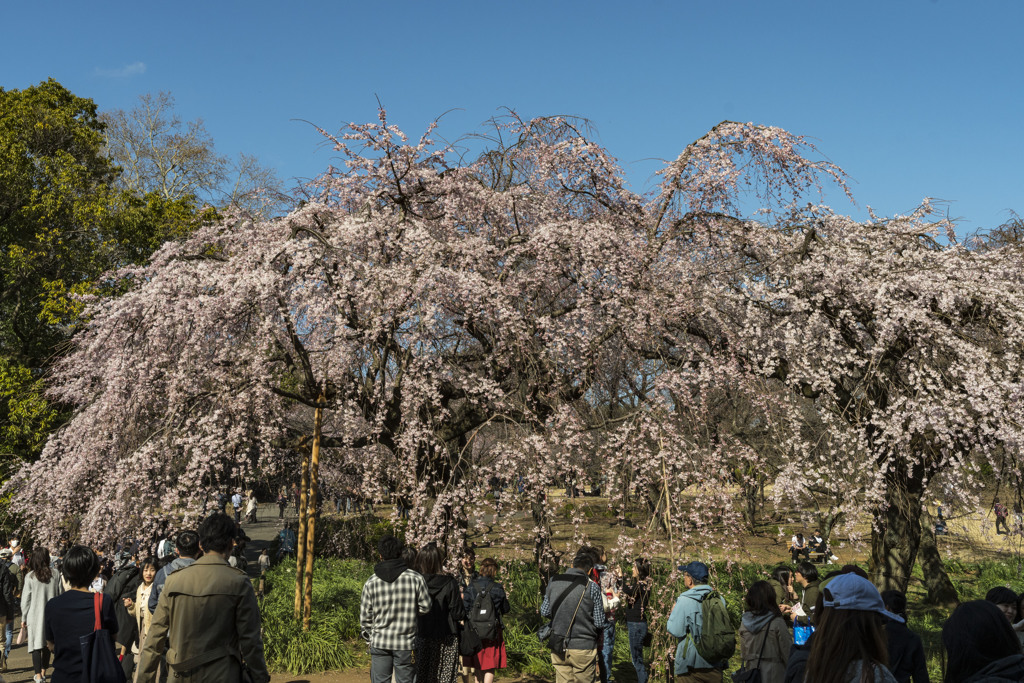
x=313, y=500
x=300, y=549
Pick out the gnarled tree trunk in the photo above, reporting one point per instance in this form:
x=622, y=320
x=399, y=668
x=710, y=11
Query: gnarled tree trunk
x=941, y=590
x=896, y=535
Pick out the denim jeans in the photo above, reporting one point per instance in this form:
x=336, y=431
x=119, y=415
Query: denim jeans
x=607, y=646
x=383, y=662
x=637, y=632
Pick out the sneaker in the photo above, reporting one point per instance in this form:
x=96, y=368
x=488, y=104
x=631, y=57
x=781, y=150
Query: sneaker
x=833, y=558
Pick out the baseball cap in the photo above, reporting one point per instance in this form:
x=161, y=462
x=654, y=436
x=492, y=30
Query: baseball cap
x=849, y=591
x=697, y=570
x=6, y=552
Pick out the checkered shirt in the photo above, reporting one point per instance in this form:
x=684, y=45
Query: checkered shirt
x=388, y=610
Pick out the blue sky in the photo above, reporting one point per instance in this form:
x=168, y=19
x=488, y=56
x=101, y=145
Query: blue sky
x=912, y=98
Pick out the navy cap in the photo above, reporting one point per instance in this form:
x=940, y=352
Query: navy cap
x=698, y=571
x=850, y=591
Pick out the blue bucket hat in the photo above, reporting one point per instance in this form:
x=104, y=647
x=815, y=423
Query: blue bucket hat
x=850, y=591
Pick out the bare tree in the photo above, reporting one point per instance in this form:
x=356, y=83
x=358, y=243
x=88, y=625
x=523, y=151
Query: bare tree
x=158, y=152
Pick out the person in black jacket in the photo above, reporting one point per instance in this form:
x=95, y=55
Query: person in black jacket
x=124, y=584
x=8, y=601
x=635, y=597
x=492, y=656
x=437, y=639
x=980, y=645
x=906, y=652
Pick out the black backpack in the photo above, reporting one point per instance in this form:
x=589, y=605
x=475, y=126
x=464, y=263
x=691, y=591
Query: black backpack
x=483, y=618
x=8, y=585
x=123, y=584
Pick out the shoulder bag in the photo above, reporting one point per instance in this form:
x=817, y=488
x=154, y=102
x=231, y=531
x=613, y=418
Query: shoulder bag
x=99, y=662
x=745, y=675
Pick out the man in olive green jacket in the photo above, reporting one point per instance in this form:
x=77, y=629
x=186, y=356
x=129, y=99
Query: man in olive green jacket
x=207, y=620
x=806, y=574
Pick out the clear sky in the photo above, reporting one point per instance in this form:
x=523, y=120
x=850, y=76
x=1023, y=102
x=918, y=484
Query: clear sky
x=913, y=98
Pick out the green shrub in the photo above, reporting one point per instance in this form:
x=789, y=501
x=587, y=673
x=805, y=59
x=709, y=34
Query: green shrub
x=333, y=640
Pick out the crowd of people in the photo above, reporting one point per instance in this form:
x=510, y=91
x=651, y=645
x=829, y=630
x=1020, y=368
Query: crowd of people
x=840, y=629
x=187, y=613
x=426, y=626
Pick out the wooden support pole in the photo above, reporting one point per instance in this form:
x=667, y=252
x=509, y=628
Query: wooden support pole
x=668, y=507
x=313, y=500
x=300, y=549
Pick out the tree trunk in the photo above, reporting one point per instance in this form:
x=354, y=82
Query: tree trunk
x=655, y=507
x=543, y=554
x=826, y=523
x=300, y=549
x=941, y=590
x=896, y=534
x=454, y=531
x=313, y=502
x=752, y=491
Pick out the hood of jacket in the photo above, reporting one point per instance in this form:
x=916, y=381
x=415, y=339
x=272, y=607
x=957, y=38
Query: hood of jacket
x=436, y=582
x=1009, y=669
x=388, y=571
x=179, y=563
x=755, y=622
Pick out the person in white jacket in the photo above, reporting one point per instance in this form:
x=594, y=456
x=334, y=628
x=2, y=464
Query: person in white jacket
x=41, y=584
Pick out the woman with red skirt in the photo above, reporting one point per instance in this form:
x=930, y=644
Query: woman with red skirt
x=492, y=655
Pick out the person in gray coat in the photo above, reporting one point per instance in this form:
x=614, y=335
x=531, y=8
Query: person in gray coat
x=765, y=640
x=41, y=585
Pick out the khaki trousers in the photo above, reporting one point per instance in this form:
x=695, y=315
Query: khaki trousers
x=577, y=666
x=700, y=676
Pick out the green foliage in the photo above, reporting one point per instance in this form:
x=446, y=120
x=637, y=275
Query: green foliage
x=526, y=654
x=26, y=417
x=63, y=224
x=54, y=185
x=333, y=639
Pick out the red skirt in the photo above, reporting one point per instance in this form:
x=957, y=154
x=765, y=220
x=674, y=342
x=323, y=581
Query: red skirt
x=492, y=656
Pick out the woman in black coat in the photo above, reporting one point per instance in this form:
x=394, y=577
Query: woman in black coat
x=437, y=646
x=906, y=652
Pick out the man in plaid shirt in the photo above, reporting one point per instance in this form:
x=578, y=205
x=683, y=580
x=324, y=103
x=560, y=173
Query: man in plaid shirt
x=391, y=600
